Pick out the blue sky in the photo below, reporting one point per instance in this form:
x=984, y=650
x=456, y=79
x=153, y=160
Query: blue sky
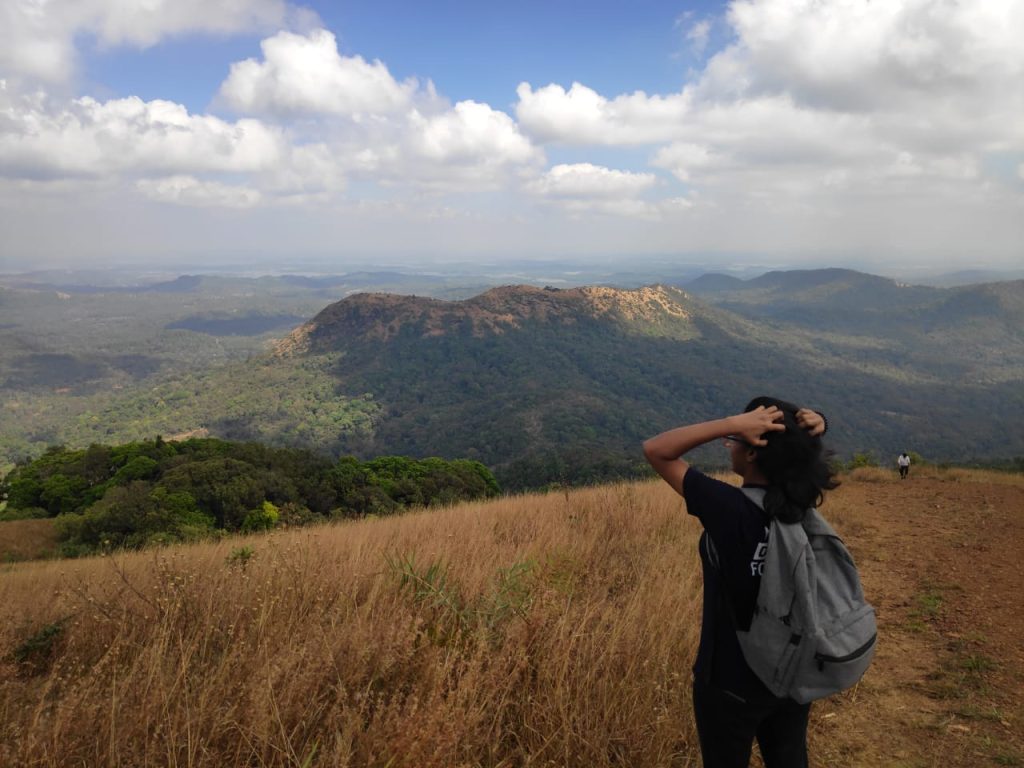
x=612, y=47
x=774, y=132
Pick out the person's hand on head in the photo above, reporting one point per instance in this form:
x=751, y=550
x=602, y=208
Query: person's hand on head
x=812, y=421
x=753, y=425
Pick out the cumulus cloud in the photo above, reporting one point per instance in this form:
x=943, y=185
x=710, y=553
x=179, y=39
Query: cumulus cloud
x=37, y=39
x=584, y=188
x=379, y=129
x=91, y=138
x=858, y=55
x=825, y=109
x=306, y=74
x=582, y=116
x=164, y=148
x=470, y=132
x=466, y=146
x=584, y=180
x=684, y=159
x=819, y=95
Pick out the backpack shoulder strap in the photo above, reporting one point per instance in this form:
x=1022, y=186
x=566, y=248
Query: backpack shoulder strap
x=816, y=525
x=786, y=570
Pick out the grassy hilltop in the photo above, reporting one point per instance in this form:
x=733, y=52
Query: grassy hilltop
x=549, y=629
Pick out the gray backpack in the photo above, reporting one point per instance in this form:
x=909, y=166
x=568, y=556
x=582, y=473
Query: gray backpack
x=812, y=633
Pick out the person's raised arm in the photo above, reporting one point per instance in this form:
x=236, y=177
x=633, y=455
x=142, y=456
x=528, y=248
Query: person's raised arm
x=664, y=451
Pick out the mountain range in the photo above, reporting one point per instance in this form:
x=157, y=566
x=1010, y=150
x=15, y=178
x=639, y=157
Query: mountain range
x=562, y=384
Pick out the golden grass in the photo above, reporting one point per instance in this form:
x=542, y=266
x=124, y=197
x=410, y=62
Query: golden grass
x=536, y=630
x=27, y=539
x=563, y=635
x=932, y=472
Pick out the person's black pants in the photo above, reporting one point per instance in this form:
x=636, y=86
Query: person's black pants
x=728, y=725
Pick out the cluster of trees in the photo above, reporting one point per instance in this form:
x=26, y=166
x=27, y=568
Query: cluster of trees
x=157, y=491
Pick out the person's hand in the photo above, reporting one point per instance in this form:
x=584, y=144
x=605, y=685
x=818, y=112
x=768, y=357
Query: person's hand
x=812, y=421
x=752, y=425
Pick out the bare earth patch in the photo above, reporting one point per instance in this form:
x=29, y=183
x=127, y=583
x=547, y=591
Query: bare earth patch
x=940, y=557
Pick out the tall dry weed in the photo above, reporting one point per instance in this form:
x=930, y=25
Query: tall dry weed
x=554, y=629
x=27, y=540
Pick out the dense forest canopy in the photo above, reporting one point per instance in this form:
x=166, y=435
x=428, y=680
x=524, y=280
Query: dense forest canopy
x=160, y=491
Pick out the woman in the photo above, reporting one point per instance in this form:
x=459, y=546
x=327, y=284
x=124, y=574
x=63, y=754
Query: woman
x=776, y=446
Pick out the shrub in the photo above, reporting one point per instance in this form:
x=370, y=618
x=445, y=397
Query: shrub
x=131, y=516
x=865, y=459
x=240, y=556
x=24, y=513
x=36, y=651
x=261, y=519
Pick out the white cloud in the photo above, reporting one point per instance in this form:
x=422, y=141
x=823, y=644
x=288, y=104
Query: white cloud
x=91, y=138
x=698, y=35
x=309, y=172
x=470, y=132
x=376, y=128
x=37, y=38
x=468, y=146
x=824, y=122
x=684, y=159
x=587, y=189
x=306, y=74
x=187, y=190
x=849, y=55
x=584, y=180
x=582, y=116
x=822, y=94
x=464, y=147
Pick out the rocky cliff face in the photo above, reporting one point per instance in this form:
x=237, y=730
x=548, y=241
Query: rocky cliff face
x=654, y=310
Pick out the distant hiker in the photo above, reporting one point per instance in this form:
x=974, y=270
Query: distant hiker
x=774, y=446
x=903, y=462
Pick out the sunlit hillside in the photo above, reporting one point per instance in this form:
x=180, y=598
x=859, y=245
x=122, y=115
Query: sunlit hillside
x=552, y=629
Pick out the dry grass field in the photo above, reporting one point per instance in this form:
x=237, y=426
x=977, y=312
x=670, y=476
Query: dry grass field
x=27, y=540
x=543, y=630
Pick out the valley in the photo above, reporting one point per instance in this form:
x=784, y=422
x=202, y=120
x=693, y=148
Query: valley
x=544, y=385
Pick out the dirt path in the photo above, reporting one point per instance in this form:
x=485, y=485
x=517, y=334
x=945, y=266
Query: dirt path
x=941, y=561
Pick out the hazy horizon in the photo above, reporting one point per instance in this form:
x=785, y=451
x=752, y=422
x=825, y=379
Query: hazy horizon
x=626, y=271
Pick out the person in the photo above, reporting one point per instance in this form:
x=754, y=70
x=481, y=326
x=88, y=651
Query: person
x=903, y=462
x=776, y=446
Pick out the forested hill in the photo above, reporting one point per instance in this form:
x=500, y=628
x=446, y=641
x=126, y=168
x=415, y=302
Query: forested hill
x=547, y=384
x=859, y=303
x=561, y=385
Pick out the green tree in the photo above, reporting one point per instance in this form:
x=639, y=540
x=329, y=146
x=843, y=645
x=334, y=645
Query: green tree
x=263, y=518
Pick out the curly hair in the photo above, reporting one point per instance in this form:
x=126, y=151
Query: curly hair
x=795, y=464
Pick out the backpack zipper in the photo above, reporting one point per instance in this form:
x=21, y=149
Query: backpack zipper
x=821, y=658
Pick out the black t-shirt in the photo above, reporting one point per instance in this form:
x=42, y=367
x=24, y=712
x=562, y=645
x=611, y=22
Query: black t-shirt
x=739, y=529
